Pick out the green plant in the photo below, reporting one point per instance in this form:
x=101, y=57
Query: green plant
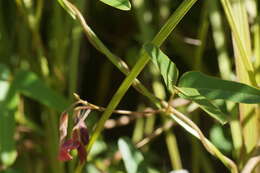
x=216, y=97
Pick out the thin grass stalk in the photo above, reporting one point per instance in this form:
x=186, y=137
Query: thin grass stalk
x=257, y=42
x=256, y=36
x=173, y=150
x=248, y=116
x=241, y=49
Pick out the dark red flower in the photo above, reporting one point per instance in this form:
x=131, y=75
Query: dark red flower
x=66, y=147
x=78, y=140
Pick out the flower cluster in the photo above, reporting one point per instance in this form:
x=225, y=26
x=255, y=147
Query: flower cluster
x=79, y=137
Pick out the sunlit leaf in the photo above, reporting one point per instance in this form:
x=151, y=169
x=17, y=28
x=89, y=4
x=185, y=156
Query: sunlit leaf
x=215, y=88
x=203, y=103
x=119, y=4
x=167, y=68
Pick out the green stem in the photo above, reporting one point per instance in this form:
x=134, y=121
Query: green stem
x=143, y=60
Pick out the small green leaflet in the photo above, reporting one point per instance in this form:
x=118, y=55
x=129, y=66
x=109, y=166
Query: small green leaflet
x=167, y=68
x=214, y=88
x=119, y=4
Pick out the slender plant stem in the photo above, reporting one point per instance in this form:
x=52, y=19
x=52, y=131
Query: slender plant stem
x=173, y=150
x=143, y=59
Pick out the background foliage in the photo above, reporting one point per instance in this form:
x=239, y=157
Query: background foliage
x=47, y=53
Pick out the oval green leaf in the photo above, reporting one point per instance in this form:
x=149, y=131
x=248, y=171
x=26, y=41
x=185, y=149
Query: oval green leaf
x=167, y=68
x=215, y=88
x=119, y=4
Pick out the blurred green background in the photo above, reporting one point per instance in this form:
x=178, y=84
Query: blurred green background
x=45, y=58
